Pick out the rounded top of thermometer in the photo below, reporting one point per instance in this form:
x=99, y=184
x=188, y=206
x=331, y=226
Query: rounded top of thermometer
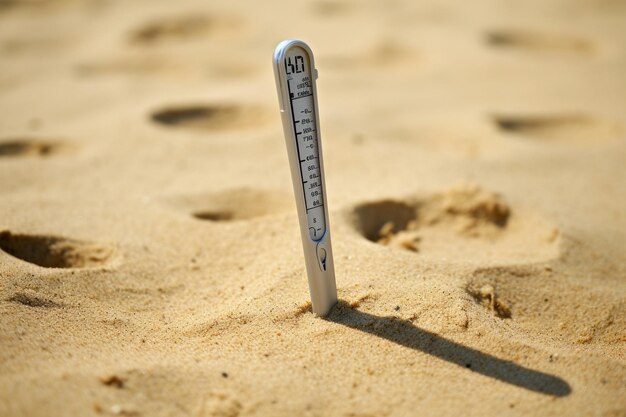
x=281, y=69
x=283, y=47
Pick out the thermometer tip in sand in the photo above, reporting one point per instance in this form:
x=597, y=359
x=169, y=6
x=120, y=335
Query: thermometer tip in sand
x=295, y=73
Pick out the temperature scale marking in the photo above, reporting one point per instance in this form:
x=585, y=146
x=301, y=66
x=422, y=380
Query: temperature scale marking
x=302, y=102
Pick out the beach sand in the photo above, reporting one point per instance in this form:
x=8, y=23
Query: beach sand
x=475, y=162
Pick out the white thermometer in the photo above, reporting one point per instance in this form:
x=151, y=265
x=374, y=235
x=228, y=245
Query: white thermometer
x=295, y=80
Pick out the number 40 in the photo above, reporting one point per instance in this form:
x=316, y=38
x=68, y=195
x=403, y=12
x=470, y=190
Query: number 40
x=297, y=68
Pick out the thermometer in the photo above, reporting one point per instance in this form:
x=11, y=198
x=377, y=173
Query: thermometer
x=295, y=80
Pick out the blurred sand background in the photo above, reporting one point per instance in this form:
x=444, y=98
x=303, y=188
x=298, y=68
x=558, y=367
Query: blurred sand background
x=150, y=260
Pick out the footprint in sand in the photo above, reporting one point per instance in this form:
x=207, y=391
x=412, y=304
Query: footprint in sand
x=563, y=128
x=179, y=28
x=31, y=300
x=147, y=60
x=28, y=147
x=211, y=117
x=54, y=251
x=234, y=204
x=465, y=222
x=538, y=41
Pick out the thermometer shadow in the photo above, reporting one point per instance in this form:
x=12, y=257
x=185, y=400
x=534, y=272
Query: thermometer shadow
x=404, y=333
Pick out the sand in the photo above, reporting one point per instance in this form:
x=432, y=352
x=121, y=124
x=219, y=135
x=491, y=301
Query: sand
x=151, y=263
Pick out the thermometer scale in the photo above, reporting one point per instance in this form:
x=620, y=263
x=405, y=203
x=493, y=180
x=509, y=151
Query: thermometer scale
x=295, y=74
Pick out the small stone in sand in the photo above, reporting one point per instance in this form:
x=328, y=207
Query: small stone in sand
x=112, y=381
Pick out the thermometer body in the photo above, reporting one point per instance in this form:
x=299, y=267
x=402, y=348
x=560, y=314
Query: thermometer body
x=295, y=74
